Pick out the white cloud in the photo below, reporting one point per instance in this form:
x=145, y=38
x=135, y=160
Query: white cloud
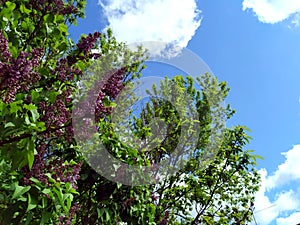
x=292, y=219
x=287, y=171
x=287, y=199
x=295, y=21
x=273, y=11
x=169, y=21
x=264, y=211
x=267, y=210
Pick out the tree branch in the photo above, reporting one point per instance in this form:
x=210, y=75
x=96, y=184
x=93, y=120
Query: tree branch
x=23, y=136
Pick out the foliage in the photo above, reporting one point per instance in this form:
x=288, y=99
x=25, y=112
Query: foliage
x=44, y=177
x=39, y=69
x=217, y=183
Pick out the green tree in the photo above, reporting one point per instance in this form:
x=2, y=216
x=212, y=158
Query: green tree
x=217, y=179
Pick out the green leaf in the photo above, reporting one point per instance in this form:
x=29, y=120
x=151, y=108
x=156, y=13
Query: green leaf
x=119, y=185
x=14, y=52
x=63, y=28
x=46, y=191
x=36, y=94
x=9, y=124
x=49, y=18
x=34, y=180
x=48, y=29
x=106, y=102
x=35, y=115
x=52, y=96
x=69, y=199
x=100, y=212
x=27, y=121
x=24, y=25
x=28, y=219
x=45, y=217
x=56, y=31
x=19, y=191
x=32, y=202
x=107, y=215
x=113, y=104
x=66, y=196
x=50, y=179
x=15, y=106
x=30, y=107
x=23, y=9
x=62, y=46
x=30, y=147
x=30, y=158
x=10, y=5
x=59, y=194
x=44, y=202
x=5, y=19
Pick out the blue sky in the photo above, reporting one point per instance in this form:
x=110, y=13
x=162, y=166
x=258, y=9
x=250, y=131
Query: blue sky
x=254, y=45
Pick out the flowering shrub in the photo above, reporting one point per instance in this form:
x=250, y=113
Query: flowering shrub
x=39, y=69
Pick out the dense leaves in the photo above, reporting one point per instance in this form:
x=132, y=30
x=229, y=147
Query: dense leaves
x=44, y=176
x=39, y=68
x=215, y=186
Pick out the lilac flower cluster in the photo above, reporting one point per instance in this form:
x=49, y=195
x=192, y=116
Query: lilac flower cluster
x=164, y=221
x=64, y=173
x=108, y=88
x=113, y=85
x=53, y=6
x=57, y=118
x=38, y=167
x=65, y=71
x=5, y=54
x=59, y=171
x=87, y=43
x=154, y=197
x=17, y=74
x=66, y=220
x=56, y=115
x=65, y=67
